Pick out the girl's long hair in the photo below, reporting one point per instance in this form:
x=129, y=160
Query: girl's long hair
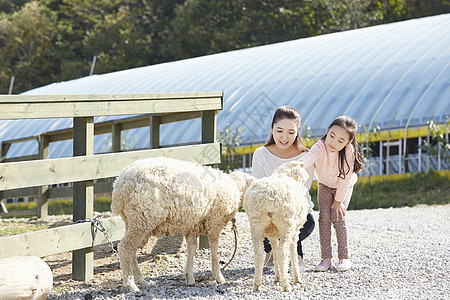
x=287, y=112
x=351, y=127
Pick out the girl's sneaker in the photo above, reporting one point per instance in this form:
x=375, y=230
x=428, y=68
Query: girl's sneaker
x=344, y=265
x=324, y=265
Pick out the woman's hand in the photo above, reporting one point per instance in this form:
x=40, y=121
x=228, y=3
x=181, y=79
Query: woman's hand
x=339, y=209
x=249, y=181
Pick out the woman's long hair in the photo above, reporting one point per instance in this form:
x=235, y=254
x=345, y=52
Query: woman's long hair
x=287, y=112
x=351, y=127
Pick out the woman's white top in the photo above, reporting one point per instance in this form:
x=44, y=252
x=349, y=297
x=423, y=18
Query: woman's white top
x=265, y=162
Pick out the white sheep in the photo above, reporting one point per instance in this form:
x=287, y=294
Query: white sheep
x=163, y=196
x=277, y=207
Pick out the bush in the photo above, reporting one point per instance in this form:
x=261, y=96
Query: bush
x=61, y=207
x=102, y=204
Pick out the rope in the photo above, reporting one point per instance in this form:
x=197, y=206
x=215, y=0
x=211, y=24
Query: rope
x=234, y=228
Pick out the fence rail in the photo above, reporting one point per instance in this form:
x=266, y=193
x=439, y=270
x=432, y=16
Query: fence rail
x=61, y=239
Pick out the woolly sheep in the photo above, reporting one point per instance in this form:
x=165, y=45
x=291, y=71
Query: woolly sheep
x=163, y=196
x=277, y=207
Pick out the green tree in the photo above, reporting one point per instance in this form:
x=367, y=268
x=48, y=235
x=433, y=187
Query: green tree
x=209, y=26
x=420, y=8
x=69, y=56
x=10, y=6
x=26, y=43
x=123, y=34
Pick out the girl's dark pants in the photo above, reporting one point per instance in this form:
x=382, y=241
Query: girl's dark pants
x=305, y=231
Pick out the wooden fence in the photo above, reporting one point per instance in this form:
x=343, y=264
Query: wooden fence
x=85, y=167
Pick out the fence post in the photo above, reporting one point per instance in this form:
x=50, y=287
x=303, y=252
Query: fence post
x=83, y=196
x=116, y=137
x=400, y=156
x=439, y=157
x=381, y=158
x=387, y=153
x=42, y=200
x=154, y=132
x=4, y=150
x=428, y=154
x=420, y=154
x=209, y=121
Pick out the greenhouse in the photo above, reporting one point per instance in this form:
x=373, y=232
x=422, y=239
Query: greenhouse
x=393, y=79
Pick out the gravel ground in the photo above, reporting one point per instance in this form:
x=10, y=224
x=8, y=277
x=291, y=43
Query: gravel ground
x=397, y=253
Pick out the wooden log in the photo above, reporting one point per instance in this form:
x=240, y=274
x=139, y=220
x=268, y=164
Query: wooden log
x=25, y=277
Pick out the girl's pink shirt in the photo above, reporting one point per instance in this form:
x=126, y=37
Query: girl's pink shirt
x=327, y=168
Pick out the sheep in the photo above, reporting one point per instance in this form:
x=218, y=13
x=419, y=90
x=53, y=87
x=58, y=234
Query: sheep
x=164, y=196
x=277, y=207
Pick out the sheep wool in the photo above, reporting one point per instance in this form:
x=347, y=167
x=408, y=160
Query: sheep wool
x=277, y=207
x=164, y=196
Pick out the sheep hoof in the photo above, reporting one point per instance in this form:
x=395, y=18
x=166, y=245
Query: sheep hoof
x=143, y=283
x=133, y=288
x=298, y=280
x=256, y=287
x=220, y=279
x=190, y=281
x=287, y=288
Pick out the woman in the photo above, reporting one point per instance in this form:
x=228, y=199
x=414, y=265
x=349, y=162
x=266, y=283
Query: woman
x=284, y=146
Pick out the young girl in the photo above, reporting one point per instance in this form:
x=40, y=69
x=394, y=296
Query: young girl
x=284, y=146
x=337, y=160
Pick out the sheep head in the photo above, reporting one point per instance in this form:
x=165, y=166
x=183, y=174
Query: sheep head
x=295, y=171
x=241, y=178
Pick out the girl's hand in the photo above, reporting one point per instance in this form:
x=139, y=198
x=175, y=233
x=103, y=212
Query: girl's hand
x=249, y=181
x=339, y=209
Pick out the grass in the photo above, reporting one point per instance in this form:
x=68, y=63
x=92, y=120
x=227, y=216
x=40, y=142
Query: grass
x=421, y=188
x=20, y=227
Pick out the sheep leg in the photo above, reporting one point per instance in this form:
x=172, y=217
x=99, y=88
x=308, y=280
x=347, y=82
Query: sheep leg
x=137, y=273
x=214, y=244
x=294, y=259
x=283, y=261
x=258, y=248
x=294, y=263
x=138, y=276
x=276, y=259
x=128, y=261
x=191, y=244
